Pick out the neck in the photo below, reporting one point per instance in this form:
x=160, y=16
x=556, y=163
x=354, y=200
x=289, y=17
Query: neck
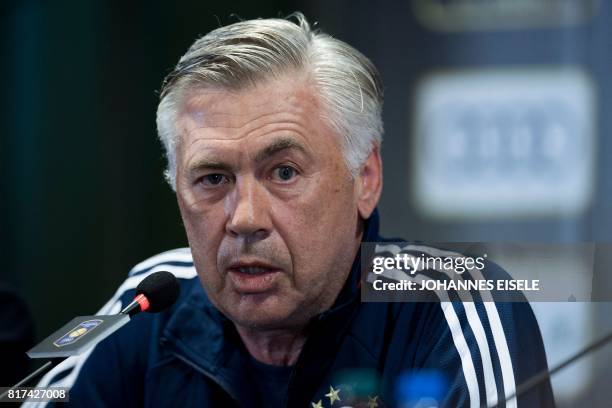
x=274, y=347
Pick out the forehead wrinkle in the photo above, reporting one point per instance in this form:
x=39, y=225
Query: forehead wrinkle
x=279, y=142
x=197, y=106
x=289, y=123
x=285, y=119
x=209, y=121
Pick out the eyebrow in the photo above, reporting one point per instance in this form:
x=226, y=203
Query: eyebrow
x=208, y=164
x=277, y=146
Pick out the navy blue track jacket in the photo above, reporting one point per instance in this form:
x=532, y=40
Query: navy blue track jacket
x=191, y=355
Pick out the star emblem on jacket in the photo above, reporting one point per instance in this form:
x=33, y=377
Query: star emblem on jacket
x=333, y=395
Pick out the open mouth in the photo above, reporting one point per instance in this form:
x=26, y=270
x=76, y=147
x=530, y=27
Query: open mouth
x=253, y=278
x=252, y=270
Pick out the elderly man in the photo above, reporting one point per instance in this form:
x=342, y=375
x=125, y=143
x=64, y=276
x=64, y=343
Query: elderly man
x=272, y=133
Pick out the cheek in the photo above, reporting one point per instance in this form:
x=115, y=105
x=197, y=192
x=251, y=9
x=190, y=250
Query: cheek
x=204, y=232
x=333, y=208
x=204, y=246
x=319, y=227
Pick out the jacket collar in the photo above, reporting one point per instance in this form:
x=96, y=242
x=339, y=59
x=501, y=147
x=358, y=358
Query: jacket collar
x=200, y=335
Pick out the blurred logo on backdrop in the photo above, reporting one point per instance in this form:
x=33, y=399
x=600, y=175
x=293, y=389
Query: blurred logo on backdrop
x=501, y=142
x=482, y=15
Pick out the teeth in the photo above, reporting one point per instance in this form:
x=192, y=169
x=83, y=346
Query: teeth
x=252, y=270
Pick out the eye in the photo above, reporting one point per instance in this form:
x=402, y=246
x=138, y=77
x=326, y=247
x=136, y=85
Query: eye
x=213, y=179
x=284, y=173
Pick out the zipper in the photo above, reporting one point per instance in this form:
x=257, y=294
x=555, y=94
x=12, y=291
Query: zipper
x=199, y=369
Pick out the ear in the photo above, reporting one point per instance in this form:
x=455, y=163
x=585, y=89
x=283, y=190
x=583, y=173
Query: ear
x=369, y=183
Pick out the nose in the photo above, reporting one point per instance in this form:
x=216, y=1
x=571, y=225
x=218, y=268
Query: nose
x=248, y=211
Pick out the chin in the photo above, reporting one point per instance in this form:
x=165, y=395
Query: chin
x=255, y=322
x=260, y=318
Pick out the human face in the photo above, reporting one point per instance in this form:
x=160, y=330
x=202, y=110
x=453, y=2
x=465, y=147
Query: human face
x=269, y=206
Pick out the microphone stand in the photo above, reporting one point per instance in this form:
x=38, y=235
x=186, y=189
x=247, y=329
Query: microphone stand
x=34, y=374
x=544, y=374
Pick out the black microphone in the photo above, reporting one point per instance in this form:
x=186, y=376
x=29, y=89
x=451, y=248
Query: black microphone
x=155, y=293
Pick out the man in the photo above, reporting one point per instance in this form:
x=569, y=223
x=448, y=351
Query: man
x=272, y=133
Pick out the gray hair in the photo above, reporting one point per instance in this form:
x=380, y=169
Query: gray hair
x=249, y=52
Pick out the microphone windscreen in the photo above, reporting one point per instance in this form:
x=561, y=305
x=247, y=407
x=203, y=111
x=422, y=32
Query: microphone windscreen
x=161, y=290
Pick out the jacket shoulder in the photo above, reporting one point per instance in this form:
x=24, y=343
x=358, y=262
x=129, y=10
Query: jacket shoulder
x=492, y=347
